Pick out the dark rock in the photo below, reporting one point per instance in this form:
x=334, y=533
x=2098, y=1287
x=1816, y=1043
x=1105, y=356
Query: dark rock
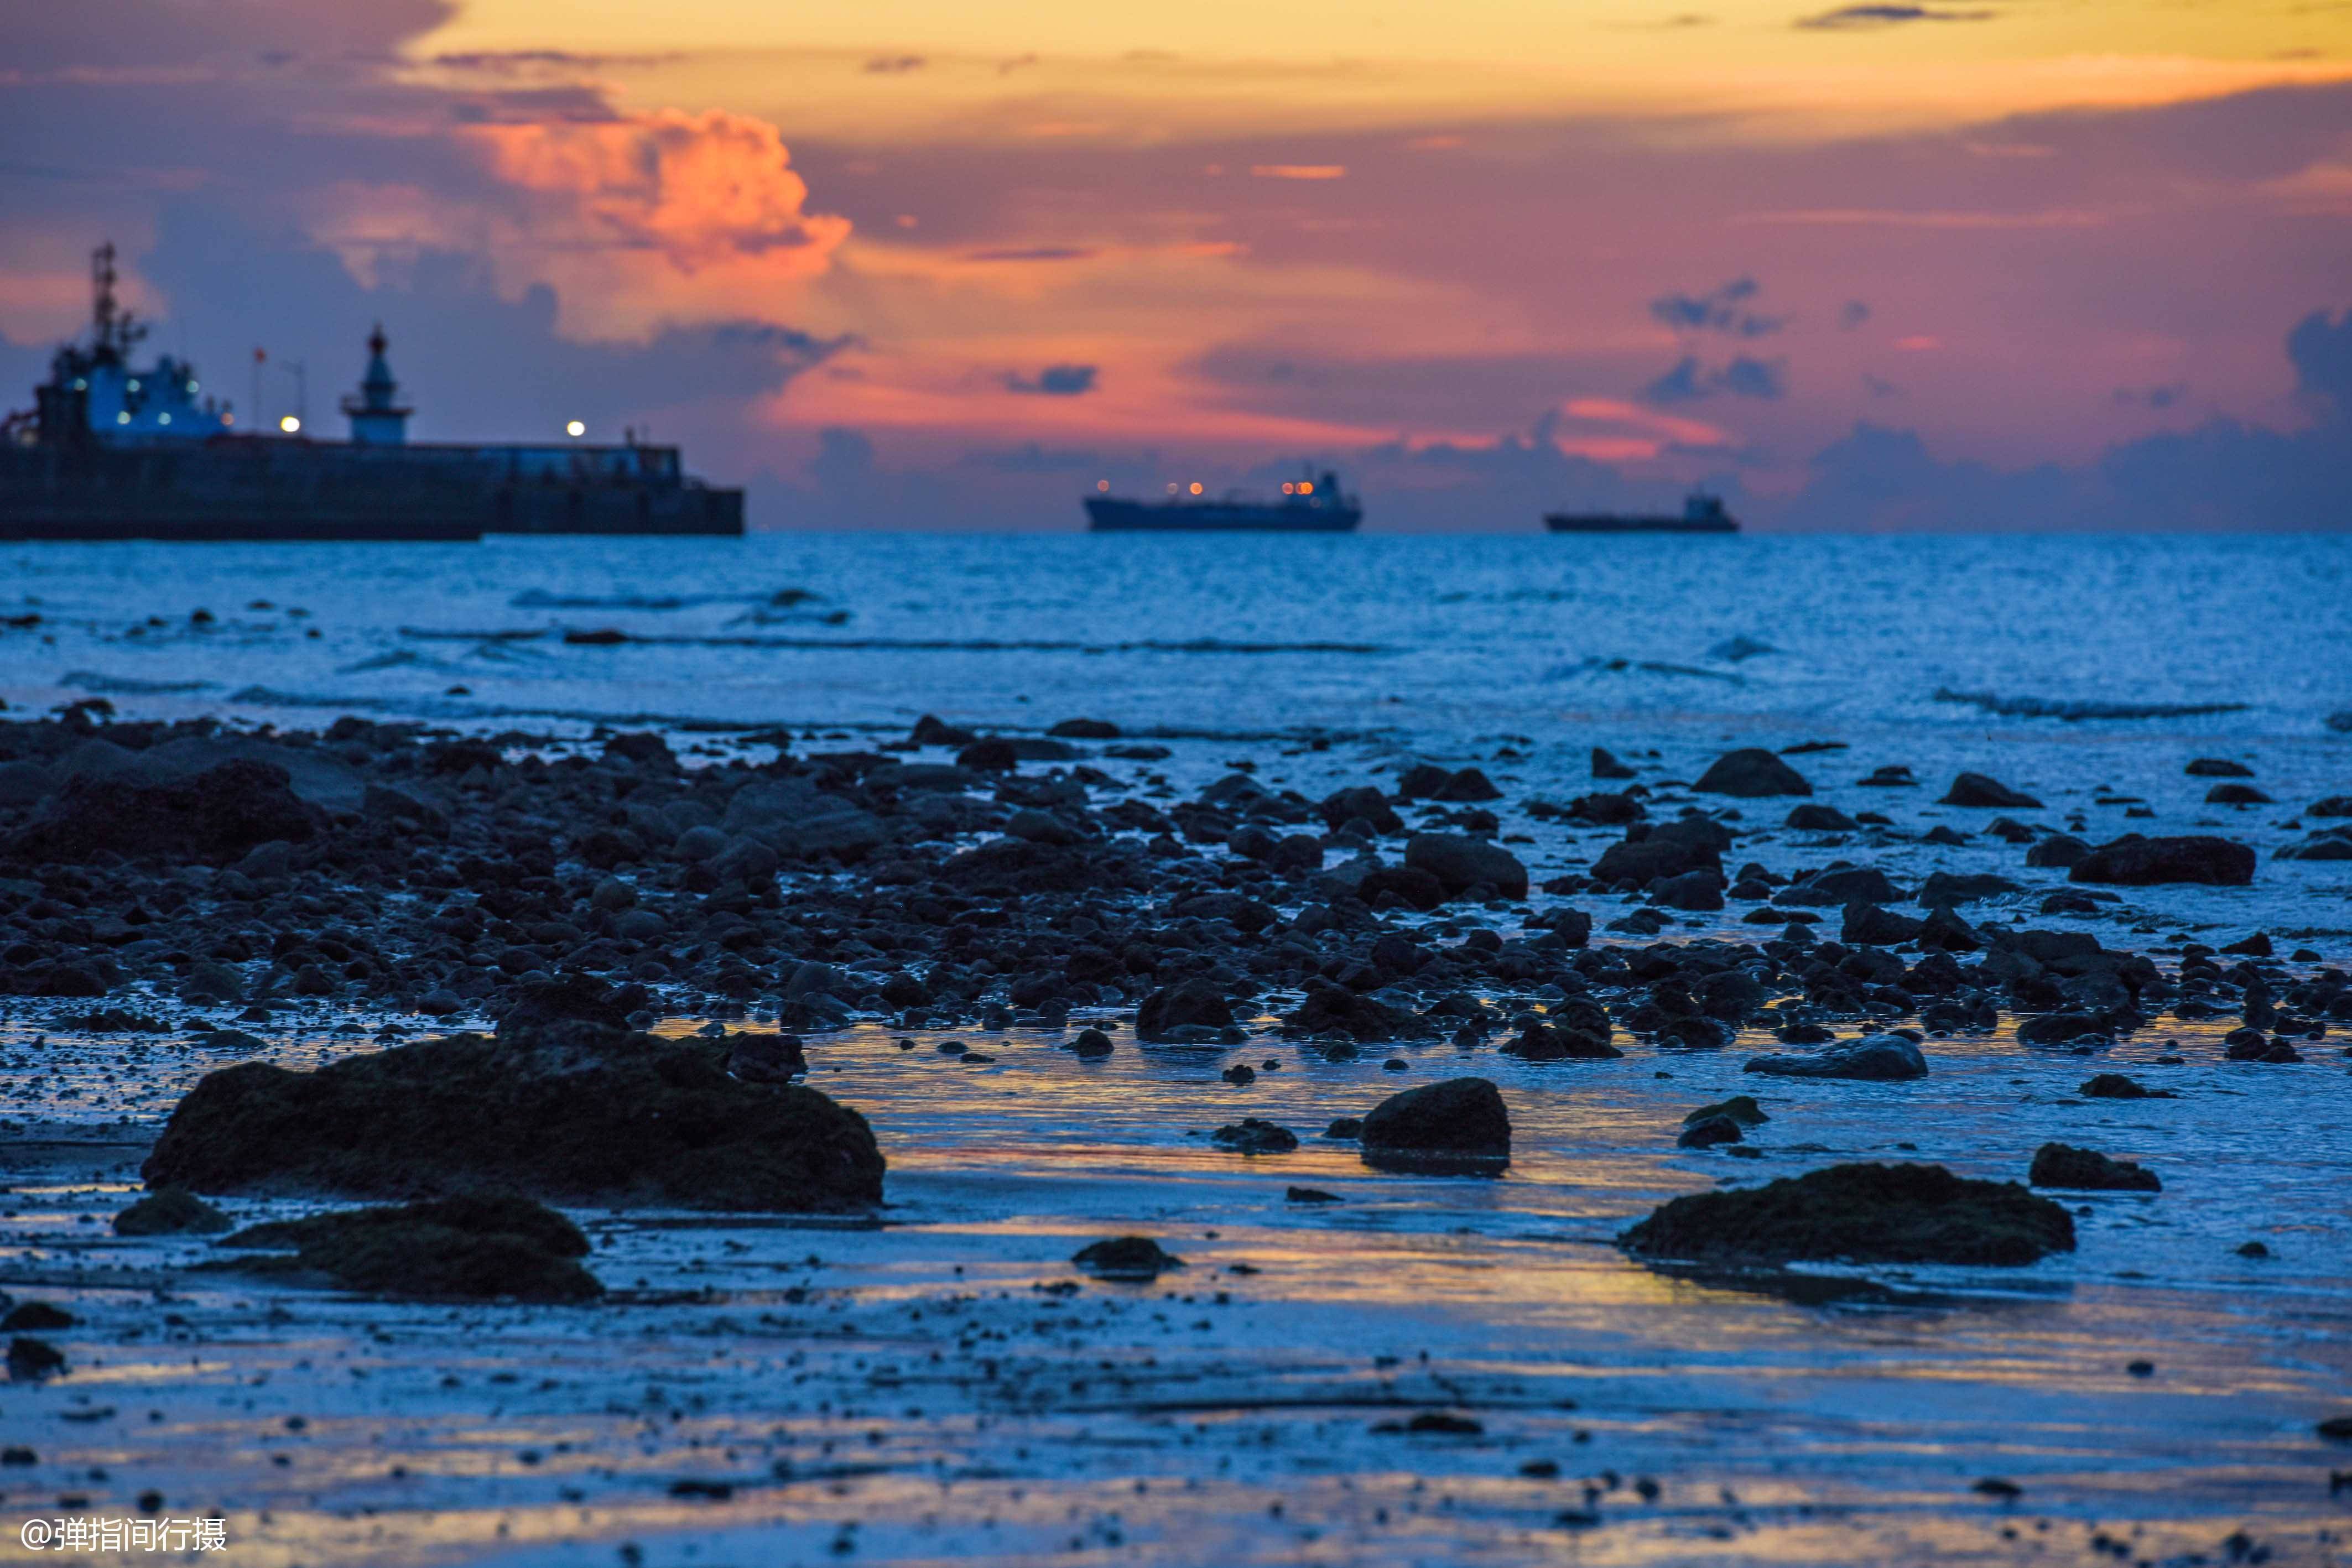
x=1469, y=786
x=1751, y=773
x=1091, y=1043
x=1708, y=1132
x=1645, y=860
x=930, y=731
x=1978, y=790
x=2217, y=768
x=1883, y=1058
x=1606, y=766
x=1697, y=891
x=1412, y=886
x=478, y=1246
x=1422, y=780
x=766, y=1058
x=1943, y=889
x=1841, y=885
x=1328, y=1010
x=1815, y=817
x=1460, y=863
x=30, y=1359
x=2332, y=806
x=1255, y=1136
x=1457, y=1118
x=174, y=1211
x=37, y=1317
x=1868, y=924
x=2135, y=862
x=1606, y=811
x=1086, y=729
x=2236, y=795
x=1188, y=1005
x=1431, y=1422
x=217, y=816
x=562, y=1109
x=2059, y=851
x=1741, y=1108
x=2063, y=1165
x=1345, y=1128
x=2327, y=844
x=1362, y=802
x=1126, y=1258
x=1859, y=1213
x=2059, y=1029
x=1309, y=1195
x=1573, y=1030
x=2116, y=1086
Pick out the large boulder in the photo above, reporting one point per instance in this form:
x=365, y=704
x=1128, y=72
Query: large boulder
x=1841, y=885
x=1882, y=1058
x=1980, y=790
x=1858, y=1213
x=216, y=815
x=2135, y=862
x=568, y=1109
x=1461, y=863
x=1460, y=1119
x=1751, y=773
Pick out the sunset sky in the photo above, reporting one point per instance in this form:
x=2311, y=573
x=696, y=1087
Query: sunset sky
x=1977, y=263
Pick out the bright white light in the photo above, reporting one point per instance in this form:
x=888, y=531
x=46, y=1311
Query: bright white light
x=163, y=419
x=123, y=418
x=289, y=425
x=575, y=429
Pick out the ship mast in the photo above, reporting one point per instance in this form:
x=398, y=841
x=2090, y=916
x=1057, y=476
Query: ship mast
x=116, y=329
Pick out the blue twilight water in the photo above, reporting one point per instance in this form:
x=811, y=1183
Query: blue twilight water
x=1438, y=641
x=940, y=1388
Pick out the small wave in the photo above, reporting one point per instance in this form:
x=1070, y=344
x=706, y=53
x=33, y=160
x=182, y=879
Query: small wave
x=495, y=634
x=1732, y=650
x=609, y=637
x=1594, y=664
x=540, y=599
x=130, y=685
x=2055, y=707
x=398, y=659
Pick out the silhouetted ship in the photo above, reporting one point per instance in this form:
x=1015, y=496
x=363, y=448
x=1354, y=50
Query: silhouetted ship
x=1305, y=507
x=1701, y=514
x=115, y=451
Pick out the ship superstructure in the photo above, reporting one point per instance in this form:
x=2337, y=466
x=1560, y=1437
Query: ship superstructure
x=1306, y=505
x=113, y=450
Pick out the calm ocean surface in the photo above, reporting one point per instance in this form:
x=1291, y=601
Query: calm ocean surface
x=1443, y=642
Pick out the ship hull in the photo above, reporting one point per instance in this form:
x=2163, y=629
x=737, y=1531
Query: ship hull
x=1106, y=516
x=267, y=491
x=1615, y=523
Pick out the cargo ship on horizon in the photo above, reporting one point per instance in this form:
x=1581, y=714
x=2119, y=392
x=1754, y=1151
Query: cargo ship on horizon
x=112, y=450
x=1701, y=514
x=1305, y=507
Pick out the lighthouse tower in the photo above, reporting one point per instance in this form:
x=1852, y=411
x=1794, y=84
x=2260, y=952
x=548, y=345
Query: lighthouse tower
x=377, y=419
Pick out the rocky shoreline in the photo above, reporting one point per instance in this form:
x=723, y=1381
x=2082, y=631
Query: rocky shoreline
x=516, y=934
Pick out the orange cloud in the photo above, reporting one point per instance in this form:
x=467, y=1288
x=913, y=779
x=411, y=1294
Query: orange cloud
x=702, y=190
x=1299, y=171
